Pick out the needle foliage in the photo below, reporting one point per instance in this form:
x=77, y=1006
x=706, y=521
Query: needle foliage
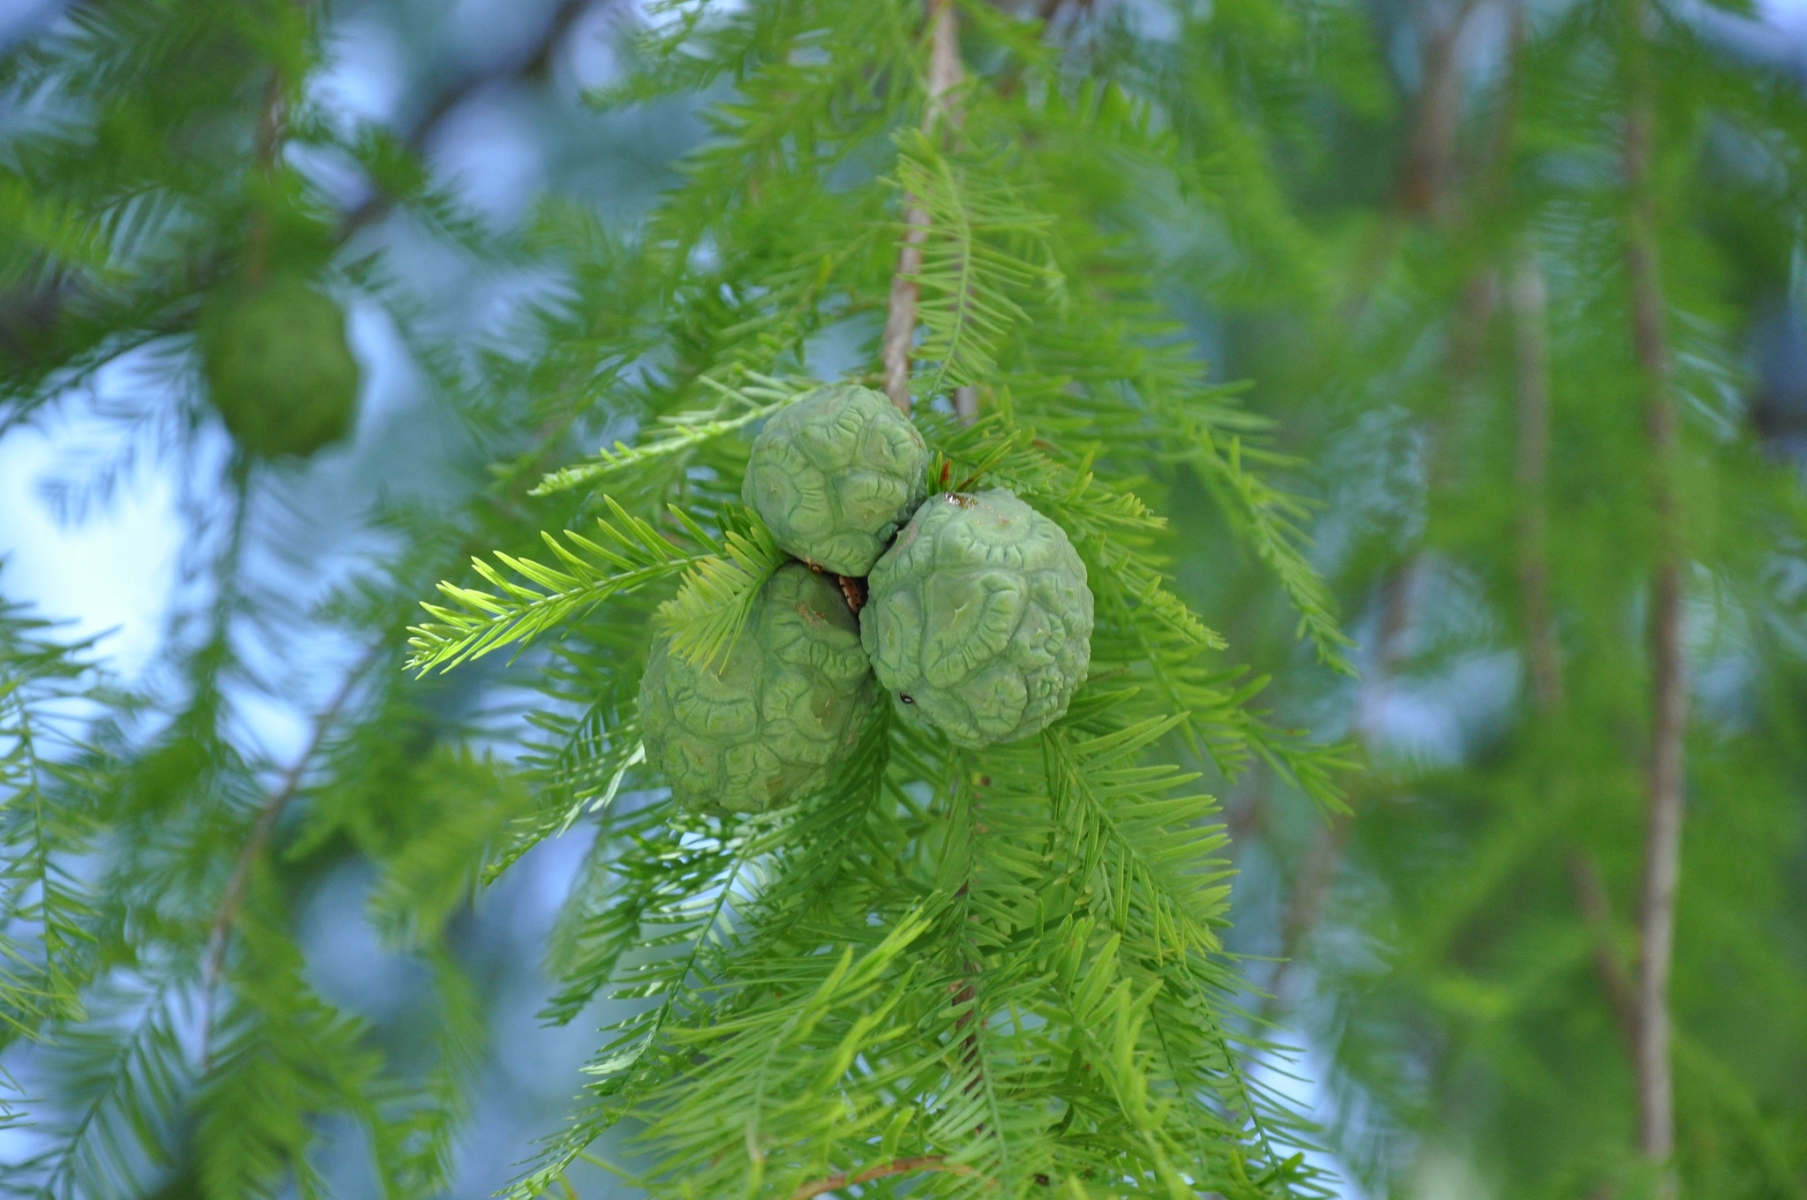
x=949, y=973
x=277, y=906
x=962, y=973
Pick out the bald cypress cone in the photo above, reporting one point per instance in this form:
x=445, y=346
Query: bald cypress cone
x=768, y=726
x=278, y=367
x=979, y=619
x=835, y=474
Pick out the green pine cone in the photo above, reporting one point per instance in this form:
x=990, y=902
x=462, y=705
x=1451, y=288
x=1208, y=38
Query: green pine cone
x=278, y=366
x=780, y=714
x=835, y=474
x=979, y=618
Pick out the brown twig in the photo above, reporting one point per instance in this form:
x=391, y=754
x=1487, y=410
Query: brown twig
x=1669, y=685
x=900, y=309
x=1424, y=184
x=1305, y=904
x=287, y=786
x=897, y=1166
x=1596, y=908
x=1529, y=304
x=966, y=404
x=537, y=62
x=1422, y=190
x=1530, y=319
x=272, y=119
x=1317, y=874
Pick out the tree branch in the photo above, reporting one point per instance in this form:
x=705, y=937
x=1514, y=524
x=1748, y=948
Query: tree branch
x=900, y=309
x=1424, y=184
x=287, y=786
x=1422, y=190
x=1529, y=304
x=537, y=62
x=272, y=120
x=1596, y=909
x=1305, y=905
x=1669, y=686
x=1528, y=301
x=897, y=1166
x=1317, y=874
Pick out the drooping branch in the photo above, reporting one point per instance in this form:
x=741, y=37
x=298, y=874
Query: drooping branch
x=1424, y=198
x=1596, y=910
x=1669, y=686
x=1423, y=189
x=898, y=1166
x=535, y=62
x=1529, y=303
x=1305, y=905
x=1528, y=299
x=1423, y=192
x=288, y=785
x=1424, y=184
x=1305, y=902
x=267, y=154
x=900, y=310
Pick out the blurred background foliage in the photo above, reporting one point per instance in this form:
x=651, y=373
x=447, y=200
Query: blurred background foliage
x=1404, y=223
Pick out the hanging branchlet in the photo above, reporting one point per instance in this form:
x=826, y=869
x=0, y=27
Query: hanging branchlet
x=1669, y=685
x=938, y=114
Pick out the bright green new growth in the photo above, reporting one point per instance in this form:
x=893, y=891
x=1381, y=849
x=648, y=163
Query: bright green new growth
x=835, y=474
x=278, y=367
x=980, y=618
x=772, y=723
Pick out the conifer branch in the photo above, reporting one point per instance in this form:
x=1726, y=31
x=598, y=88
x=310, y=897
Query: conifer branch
x=1317, y=876
x=705, y=618
x=1531, y=379
x=1669, y=686
x=760, y=1038
x=897, y=1166
x=625, y=554
x=1596, y=909
x=987, y=254
x=900, y=309
x=1528, y=302
x=1423, y=185
x=1423, y=192
x=678, y=432
x=37, y=828
x=536, y=61
x=141, y=1075
x=287, y=786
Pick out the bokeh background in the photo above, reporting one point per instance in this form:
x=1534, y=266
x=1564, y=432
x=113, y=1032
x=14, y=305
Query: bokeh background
x=114, y=499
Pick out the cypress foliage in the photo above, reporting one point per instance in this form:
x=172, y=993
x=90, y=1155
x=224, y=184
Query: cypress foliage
x=978, y=972
x=951, y=972
x=1541, y=362
x=1517, y=286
